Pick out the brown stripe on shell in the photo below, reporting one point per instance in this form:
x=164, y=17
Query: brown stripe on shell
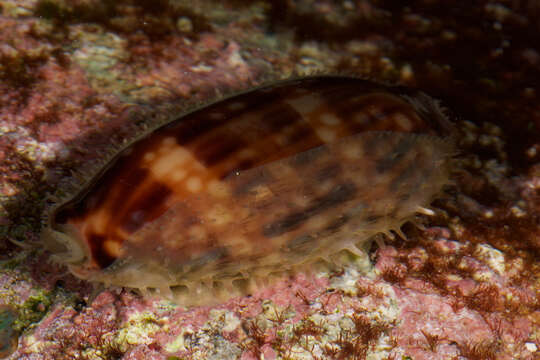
x=99, y=254
x=278, y=117
x=338, y=195
x=149, y=203
x=217, y=148
x=221, y=113
x=395, y=155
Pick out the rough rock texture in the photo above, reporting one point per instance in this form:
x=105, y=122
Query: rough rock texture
x=78, y=76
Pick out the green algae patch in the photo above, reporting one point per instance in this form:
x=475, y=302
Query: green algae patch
x=33, y=310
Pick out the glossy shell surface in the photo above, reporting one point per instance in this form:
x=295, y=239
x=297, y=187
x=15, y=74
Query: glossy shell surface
x=274, y=177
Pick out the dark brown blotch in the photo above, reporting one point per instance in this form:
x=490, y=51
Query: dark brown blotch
x=204, y=121
x=147, y=206
x=192, y=128
x=97, y=247
x=282, y=115
x=217, y=148
x=373, y=218
x=337, y=224
x=114, y=186
x=303, y=133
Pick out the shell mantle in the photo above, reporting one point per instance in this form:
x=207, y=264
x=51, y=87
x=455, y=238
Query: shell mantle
x=269, y=179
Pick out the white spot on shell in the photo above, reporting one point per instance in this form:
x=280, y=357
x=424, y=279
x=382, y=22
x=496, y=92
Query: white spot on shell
x=194, y=184
x=169, y=161
x=98, y=222
x=149, y=156
x=178, y=175
x=304, y=104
